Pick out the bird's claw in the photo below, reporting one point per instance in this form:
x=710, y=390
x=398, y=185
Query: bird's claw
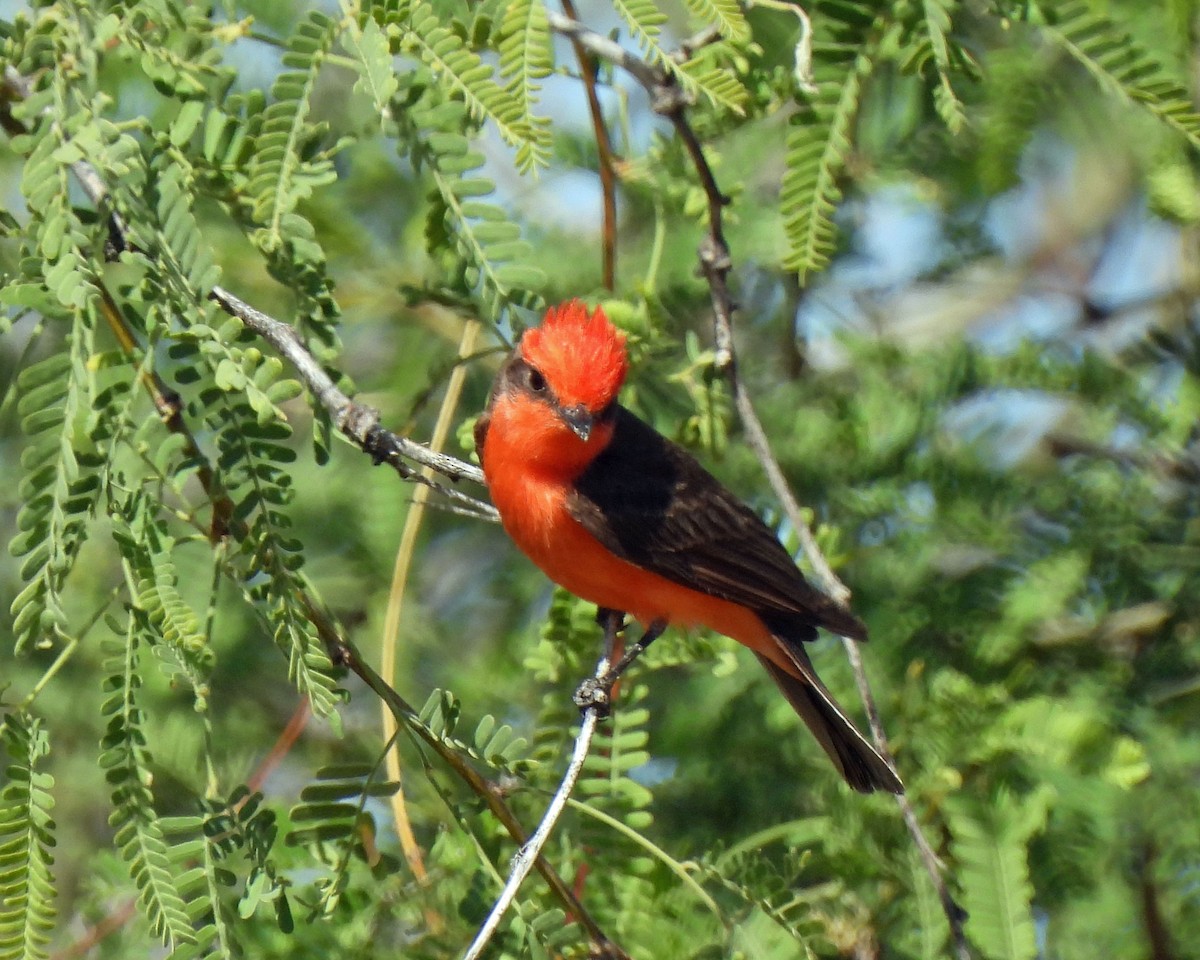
x=594, y=694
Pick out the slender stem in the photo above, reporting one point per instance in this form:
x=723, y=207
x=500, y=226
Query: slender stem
x=676, y=867
x=832, y=585
x=390, y=639
x=608, y=180
x=531, y=850
x=282, y=746
x=358, y=422
x=605, y=48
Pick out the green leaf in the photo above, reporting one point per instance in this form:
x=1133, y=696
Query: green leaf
x=1121, y=66
x=376, y=73
x=27, y=839
x=816, y=156
x=990, y=839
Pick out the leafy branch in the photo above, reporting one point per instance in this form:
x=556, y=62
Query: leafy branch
x=361, y=424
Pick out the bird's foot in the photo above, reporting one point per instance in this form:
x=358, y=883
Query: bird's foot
x=595, y=694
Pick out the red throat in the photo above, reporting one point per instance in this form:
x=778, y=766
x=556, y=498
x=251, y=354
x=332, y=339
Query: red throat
x=581, y=355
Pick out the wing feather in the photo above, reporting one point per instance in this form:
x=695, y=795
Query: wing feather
x=651, y=503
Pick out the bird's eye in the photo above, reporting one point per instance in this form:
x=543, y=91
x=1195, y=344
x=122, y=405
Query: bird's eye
x=537, y=383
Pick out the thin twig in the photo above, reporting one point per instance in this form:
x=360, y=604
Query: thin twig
x=282, y=746
x=832, y=585
x=346, y=653
x=605, y=48
x=357, y=421
x=608, y=180
x=531, y=850
x=668, y=100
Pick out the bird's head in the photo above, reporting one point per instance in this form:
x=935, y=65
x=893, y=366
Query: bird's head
x=576, y=363
x=558, y=390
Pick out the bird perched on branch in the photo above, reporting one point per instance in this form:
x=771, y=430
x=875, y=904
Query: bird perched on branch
x=621, y=516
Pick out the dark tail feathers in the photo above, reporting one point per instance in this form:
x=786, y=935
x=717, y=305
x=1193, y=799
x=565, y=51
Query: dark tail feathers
x=864, y=769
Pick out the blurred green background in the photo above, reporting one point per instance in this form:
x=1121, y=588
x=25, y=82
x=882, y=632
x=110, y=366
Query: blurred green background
x=988, y=400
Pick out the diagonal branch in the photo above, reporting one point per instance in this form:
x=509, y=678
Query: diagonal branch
x=531, y=850
x=608, y=185
x=342, y=651
x=356, y=421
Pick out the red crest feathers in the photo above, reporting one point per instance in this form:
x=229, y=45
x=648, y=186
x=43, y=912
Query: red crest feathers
x=581, y=355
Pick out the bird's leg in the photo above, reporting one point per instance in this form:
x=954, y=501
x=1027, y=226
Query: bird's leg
x=596, y=692
x=651, y=633
x=612, y=622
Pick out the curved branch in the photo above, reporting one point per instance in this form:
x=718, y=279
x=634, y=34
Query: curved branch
x=358, y=422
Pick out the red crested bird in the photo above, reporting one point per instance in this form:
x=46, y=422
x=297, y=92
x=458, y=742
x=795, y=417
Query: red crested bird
x=619, y=515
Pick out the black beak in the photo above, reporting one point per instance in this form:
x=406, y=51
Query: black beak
x=579, y=419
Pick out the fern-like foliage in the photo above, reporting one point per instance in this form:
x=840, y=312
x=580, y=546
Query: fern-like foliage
x=373, y=57
x=1120, y=66
x=331, y=818
x=59, y=491
x=172, y=47
x=1014, y=94
x=644, y=19
x=58, y=277
x=126, y=761
x=60, y=240
x=178, y=634
x=498, y=746
x=203, y=884
x=243, y=826
x=239, y=391
x=488, y=258
x=252, y=459
x=27, y=829
x=768, y=906
x=288, y=158
x=726, y=15
x=818, y=147
x=283, y=170
x=929, y=44
x=535, y=932
x=990, y=848
x=526, y=58
x=468, y=80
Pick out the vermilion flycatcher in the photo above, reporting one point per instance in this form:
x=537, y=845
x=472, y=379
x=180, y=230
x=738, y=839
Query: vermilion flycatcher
x=621, y=516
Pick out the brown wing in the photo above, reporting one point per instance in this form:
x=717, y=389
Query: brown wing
x=651, y=503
